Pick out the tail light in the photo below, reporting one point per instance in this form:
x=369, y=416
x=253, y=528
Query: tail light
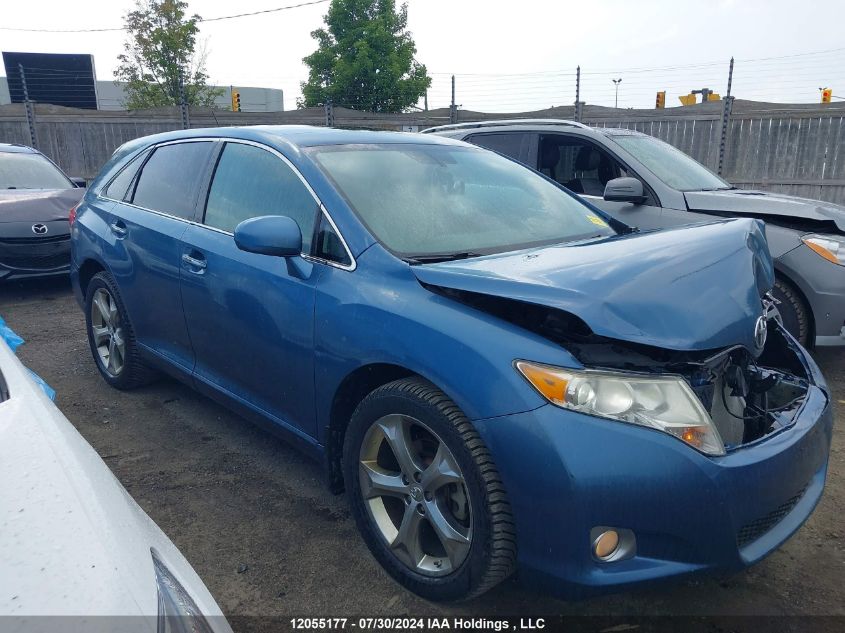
x=71, y=216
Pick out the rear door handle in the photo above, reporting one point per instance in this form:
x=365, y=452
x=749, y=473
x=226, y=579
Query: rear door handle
x=194, y=262
x=118, y=228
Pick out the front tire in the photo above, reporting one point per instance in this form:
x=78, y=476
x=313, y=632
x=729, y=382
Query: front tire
x=111, y=337
x=792, y=310
x=425, y=493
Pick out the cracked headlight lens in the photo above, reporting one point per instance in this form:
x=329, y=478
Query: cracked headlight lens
x=665, y=403
x=831, y=247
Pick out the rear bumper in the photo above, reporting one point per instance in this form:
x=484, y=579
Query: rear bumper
x=74, y=283
x=566, y=473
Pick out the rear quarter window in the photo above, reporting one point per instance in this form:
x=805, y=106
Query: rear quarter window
x=512, y=144
x=119, y=186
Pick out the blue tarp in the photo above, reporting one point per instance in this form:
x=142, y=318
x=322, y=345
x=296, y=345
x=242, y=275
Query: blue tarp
x=14, y=341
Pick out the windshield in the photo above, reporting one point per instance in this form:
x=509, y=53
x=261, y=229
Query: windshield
x=30, y=171
x=671, y=165
x=430, y=200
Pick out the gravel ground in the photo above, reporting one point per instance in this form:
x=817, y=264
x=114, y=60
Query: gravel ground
x=257, y=522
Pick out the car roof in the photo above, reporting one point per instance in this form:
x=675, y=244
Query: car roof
x=16, y=148
x=512, y=125
x=302, y=135
x=472, y=125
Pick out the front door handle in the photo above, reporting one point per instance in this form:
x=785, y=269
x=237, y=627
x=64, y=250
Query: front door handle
x=194, y=262
x=118, y=228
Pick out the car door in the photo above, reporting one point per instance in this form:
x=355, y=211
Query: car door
x=584, y=167
x=146, y=227
x=250, y=316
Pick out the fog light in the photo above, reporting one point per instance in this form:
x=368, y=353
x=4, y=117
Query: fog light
x=605, y=545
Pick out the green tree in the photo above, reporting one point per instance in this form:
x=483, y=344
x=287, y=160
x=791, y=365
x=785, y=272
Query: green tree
x=364, y=59
x=161, y=47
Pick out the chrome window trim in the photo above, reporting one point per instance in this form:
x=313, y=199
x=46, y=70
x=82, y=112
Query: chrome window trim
x=320, y=206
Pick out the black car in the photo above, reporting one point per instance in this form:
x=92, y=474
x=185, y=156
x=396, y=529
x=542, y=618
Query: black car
x=35, y=200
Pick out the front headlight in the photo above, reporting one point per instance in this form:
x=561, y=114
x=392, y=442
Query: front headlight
x=831, y=247
x=177, y=612
x=666, y=403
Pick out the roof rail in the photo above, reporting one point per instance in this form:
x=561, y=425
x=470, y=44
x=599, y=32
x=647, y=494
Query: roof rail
x=479, y=124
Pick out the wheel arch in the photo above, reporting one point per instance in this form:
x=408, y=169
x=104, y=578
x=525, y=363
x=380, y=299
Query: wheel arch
x=87, y=270
x=351, y=391
x=787, y=277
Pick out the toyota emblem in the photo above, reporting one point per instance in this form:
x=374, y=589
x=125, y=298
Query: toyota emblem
x=39, y=229
x=760, y=332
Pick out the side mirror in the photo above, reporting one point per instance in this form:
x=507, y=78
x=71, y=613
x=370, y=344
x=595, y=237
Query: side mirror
x=624, y=190
x=275, y=235
x=79, y=182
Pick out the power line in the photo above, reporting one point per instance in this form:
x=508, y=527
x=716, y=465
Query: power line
x=604, y=71
x=276, y=10
x=121, y=28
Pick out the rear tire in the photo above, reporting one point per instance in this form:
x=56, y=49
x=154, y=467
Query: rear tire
x=426, y=494
x=794, y=314
x=111, y=337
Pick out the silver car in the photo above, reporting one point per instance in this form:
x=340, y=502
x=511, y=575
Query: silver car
x=646, y=183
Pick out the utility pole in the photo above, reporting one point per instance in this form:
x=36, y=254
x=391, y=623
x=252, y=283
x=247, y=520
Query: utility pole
x=27, y=104
x=183, y=102
x=726, y=119
x=425, y=103
x=453, y=109
x=578, y=93
x=329, y=107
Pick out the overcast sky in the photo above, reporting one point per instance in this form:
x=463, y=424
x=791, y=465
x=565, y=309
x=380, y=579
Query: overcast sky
x=508, y=56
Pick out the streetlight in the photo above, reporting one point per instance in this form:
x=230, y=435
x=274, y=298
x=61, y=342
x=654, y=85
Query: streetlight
x=616, y=83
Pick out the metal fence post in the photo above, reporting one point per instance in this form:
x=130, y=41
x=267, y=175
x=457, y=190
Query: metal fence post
x=183, y=102
x=453, y=109
x=30, y=111
x=726, y=120
x=578, y=103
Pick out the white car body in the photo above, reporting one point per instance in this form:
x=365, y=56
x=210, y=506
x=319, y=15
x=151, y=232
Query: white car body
x=72, y=540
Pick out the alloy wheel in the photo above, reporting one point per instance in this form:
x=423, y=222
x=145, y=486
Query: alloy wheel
x=416, y=495
x=107, y=332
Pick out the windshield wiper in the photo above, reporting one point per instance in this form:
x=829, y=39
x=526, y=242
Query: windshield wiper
x=442, y=257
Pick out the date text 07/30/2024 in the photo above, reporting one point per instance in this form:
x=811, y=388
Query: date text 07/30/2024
x=421, y=624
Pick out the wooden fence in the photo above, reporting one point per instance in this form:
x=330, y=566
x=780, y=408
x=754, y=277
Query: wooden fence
x=797, y=149
x=794, y=149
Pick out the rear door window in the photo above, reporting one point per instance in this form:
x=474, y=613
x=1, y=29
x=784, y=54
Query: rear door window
x=250, y=182
x=169, y=179
x=512, y=144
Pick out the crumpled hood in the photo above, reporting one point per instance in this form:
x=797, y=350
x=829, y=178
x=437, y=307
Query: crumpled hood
x=762, y=203
x=37, y=205
x=692, y=288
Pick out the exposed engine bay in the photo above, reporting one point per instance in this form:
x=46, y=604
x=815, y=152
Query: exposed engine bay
x=747, y=396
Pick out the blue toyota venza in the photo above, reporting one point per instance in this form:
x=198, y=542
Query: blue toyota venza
x=498, y=375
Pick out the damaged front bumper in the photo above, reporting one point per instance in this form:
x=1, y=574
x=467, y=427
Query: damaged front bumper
x=688, y=512
x=823, y=286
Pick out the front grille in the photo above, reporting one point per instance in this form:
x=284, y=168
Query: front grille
x=20, y=241
x=35, y=253
x=758, y=527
